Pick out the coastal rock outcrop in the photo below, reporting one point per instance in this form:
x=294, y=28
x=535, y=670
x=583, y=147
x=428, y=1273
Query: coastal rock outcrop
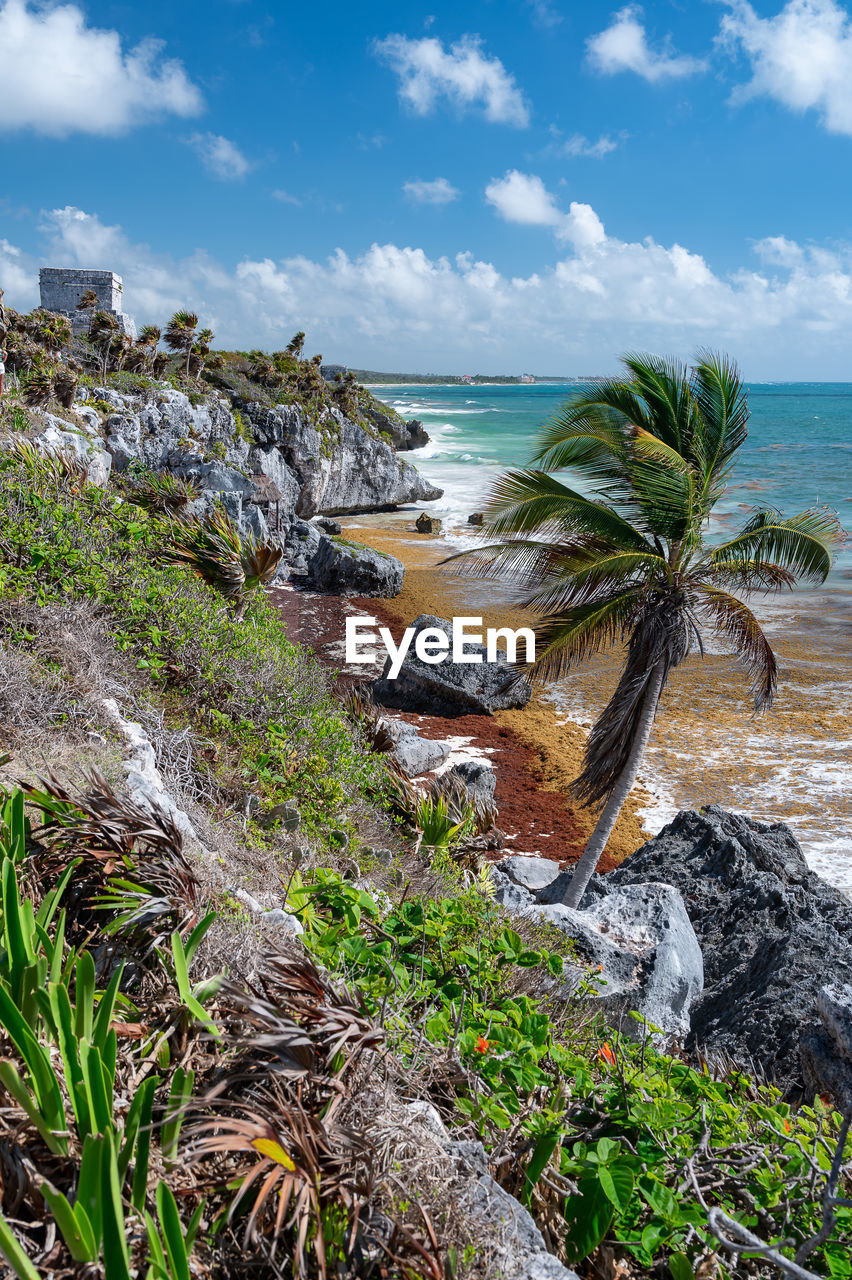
x=59, y=436
x=340, y=466
x=450, y=688
x=827, y=1051
x=769, y=928
x=349, y=569
x=413, y=754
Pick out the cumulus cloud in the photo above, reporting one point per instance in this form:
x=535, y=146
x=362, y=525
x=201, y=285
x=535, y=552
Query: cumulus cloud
x=801, y=57
x=61, y=76
x=787, y=313
x=463, y=75
x=438, y=191
x=523, y=198
x=220, y=156
x=624, y=46
x=577, y=145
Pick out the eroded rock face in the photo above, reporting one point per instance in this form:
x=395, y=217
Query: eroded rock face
x=347, y=569
x=769, y=928
x=414, y=754
x=638, y=941
x=341, y=468
x=450, y=688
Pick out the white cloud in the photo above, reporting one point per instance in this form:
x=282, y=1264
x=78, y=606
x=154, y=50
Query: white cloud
x=577, y=145
x=220, y=156
x=788, y=314
x=523, y=198
x=60, y=76
x=463, y=75
x=286, y=197
x=623, y=46
x=544, y=14
x=802, y=57
x=438, y=191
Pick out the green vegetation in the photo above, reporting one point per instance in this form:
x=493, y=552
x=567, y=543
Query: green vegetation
x=264, y=706
x=633, y=561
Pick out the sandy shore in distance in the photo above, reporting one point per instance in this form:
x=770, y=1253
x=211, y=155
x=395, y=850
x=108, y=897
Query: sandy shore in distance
x=537, y=750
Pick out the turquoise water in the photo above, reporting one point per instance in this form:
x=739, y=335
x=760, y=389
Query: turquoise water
x=792, y=763
x=798, y=453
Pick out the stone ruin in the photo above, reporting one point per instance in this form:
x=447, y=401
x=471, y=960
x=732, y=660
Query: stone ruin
x=62, y=288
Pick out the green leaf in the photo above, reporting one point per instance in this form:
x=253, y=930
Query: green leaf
x=588, y=1215
x=84, y=996
x=12, y=1082
x=106, y=1007
x=179, y=1095
x=198, y=933
x=89, y=1196
x=74, y=1225
x=115, y=1251
x=660, y=1199
x=140, y=1172
x=617, y=1185
x=45, y=1084
x=14, y=1254
x=681, y=1267
x=167, y=1212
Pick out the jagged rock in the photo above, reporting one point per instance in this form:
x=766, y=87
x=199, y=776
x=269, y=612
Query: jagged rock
x=301, y=542
x=348, y=569
x=427, y=524
x=216, y=477
x=268, y=462
x=639, y=937
x=60, y=436
x=403, y=435
x=451, y=688
x=533, y=874
x=476, y=517
x=768, y=927
x=508, y=894
x=479, y=778
x=329, y=526
x=341, y=467
x=413, y=754
x=827, y=1052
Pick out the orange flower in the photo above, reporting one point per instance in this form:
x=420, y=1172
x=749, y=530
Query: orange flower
x=787, y=1125
x=600, y=968
x=482, y=1045
x=606, y=1054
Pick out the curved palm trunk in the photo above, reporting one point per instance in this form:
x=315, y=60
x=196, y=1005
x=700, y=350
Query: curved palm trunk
x=585, y=868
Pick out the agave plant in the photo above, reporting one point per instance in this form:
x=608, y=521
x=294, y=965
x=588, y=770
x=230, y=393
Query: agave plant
x=37, y=386
x=233, y=565
x=163, y=491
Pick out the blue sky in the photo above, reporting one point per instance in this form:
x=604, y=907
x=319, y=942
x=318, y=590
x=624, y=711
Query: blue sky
x=519, y=184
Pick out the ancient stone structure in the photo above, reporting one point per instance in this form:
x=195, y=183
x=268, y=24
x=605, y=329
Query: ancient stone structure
x=62, y=288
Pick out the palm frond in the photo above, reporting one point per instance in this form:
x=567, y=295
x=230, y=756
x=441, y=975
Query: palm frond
x=736, y=622
x=533, y=501
x=671, y=413
x=723, y=402
x=745, y=575
x=565, y=639
x=802, y=544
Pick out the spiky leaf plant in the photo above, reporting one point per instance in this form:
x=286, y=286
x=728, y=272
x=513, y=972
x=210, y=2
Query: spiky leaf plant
x=213, y=547
x=627, y=554
x=179, y=334
x=162, y=491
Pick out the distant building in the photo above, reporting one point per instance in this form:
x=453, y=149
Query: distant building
x=527, y=377
x=61, y=288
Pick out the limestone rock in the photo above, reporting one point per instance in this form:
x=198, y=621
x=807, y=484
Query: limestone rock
x=476, y=518
x=416, y=755
x=768, y=927
x=479, y=778
x=451, y=688
x=60, y=436
x=427, y=524
x=348, y=569
x=827, y=1051
x=532, y=874
x=640, y=937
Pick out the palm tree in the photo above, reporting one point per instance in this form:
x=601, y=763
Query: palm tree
x=180, y=333
x=629, y=557
x=296, y=345
x=88, y=301
x=103, y=330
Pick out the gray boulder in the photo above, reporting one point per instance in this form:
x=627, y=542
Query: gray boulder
x=532, y=874
x=346, y=568
x=60, y=436
x=450, y=688
x=427, y=524
x=413, y=754
x=478, y=777
x=510, y=895
x=640, y=939
x=301, y=542
x=768, y=926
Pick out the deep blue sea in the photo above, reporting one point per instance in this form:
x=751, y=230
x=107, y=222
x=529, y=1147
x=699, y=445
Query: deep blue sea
x=795, y=762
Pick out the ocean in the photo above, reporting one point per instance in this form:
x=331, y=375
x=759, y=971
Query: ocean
x=793, y=763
